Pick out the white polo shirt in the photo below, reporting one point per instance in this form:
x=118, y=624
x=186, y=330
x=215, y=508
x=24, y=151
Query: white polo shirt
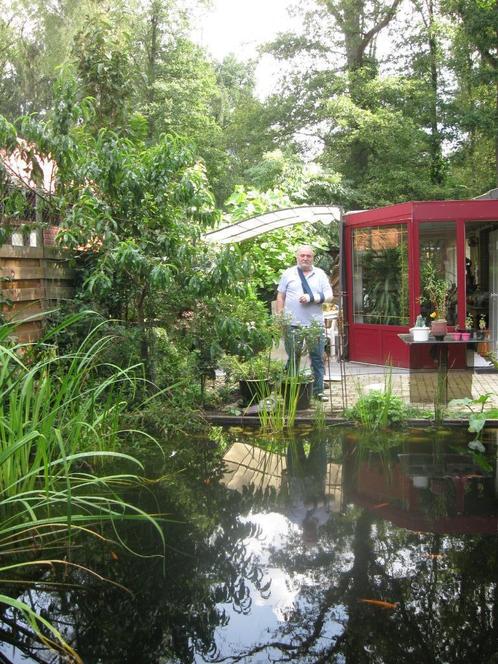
x=290, y=284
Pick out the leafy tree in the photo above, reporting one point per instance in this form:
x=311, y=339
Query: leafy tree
x=338, y=41
x=475, y=105
x=272, y=252
x=35, y=40
x=303, y=182
x=245, y=124
x=134, y=213
x=103, y=63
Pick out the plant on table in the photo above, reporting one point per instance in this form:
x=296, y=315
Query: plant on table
x=469, y=322
x=436, y=289
x=482, y=327
x=420, y=332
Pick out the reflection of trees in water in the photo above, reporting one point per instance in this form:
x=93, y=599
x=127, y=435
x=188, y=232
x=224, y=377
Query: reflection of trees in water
x=175, y=614
x=440, y=594
x=172, y=607
x=444, y=589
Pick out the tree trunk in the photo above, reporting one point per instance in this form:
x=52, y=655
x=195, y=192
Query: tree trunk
x=360, y=28
x=436, y=156
x=152, y=49
x=146, y=355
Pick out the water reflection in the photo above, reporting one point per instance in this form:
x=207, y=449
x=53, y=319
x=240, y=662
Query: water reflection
x=305, y=483
x=429, y=485
x=327, y=547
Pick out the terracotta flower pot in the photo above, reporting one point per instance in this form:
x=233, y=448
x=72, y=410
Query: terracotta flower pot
x=439, y=328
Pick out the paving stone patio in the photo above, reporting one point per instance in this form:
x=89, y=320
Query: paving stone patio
x=416, y=388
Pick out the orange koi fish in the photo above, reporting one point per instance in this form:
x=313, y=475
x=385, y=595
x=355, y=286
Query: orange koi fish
x=380, y=603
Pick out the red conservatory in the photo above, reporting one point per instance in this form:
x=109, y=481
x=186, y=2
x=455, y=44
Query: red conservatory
x=387, y=252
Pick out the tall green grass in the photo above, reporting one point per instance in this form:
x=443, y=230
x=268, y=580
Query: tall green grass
x=279, y=412
x=59, y=425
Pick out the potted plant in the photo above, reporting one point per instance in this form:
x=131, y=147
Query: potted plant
x=296, y=384
x=482, y=335
x=296, y=388
x=256, y=376
x=481, y=332
x=469, y=326
x=437, y=289
x=420, y=332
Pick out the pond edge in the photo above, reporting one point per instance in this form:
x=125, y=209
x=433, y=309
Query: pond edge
x=253, y=420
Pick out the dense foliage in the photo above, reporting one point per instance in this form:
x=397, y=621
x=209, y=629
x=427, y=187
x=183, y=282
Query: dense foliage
x=394, y=100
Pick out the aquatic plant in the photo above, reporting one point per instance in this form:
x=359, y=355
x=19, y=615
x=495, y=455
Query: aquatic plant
x=59, y=423
x=378, y=409
x=477, y=417
x=279, y=412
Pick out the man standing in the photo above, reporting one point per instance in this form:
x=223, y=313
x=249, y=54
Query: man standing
x=301, y=292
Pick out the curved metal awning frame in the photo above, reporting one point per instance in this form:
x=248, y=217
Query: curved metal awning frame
x=269, y=221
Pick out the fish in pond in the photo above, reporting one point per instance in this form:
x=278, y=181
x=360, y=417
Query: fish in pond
x=380, y=603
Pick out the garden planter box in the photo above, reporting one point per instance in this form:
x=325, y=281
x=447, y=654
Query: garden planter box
x=302, y=392
x=253, y=390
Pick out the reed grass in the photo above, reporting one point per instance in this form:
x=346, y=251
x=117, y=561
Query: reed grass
x=280, y=412
x=59, y=429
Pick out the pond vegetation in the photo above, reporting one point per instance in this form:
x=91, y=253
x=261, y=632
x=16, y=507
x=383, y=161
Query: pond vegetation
x=59, y=433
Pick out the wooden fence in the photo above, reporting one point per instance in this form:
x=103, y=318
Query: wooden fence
x=35, y=277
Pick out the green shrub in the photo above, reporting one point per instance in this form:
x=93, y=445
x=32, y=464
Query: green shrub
x=260, y=366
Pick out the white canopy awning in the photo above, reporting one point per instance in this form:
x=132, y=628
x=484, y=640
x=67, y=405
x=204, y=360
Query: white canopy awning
x=263, y=223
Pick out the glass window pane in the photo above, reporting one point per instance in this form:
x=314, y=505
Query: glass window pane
x=380, y=275
x=438, y=263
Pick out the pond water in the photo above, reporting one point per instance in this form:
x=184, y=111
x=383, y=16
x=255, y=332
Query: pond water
x=327, y=546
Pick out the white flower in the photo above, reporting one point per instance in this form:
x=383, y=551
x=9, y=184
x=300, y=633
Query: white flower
x=477, y=446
